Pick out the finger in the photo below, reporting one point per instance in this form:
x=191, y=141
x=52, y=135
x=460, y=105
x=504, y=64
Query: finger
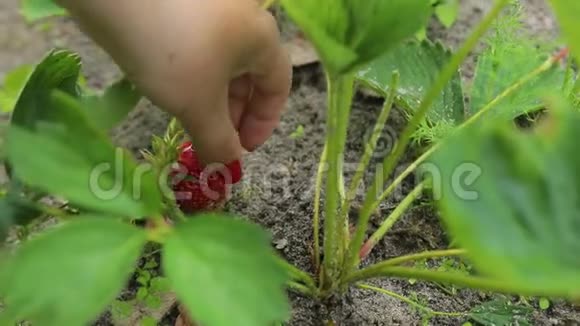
x=239, y=95
x=271, y=80
x=212, y=132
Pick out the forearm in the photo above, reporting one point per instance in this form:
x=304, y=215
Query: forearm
x=125, y=27
x=103, y=16
x=118, y=26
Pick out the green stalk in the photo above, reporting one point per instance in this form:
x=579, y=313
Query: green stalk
x=412, y=167
x=576, y=87
x=411, y=302
x=466, y=281
x=340, y=94
x=434, y=92
x=372, y=143
x=391, y=220
x=299, y=288
x=345, y=103
x=414, y=257
x=297, y=274
x=51, y=211
x=160, y=231
x=316, y=219
x=568, y=75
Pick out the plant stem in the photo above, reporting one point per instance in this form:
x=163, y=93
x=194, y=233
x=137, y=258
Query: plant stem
x=344, y=105
x=316, y=218
x=576, y=87
x=372, y=143
x=472, y=282
x=411, y=302
x=340, y=94
x=568, y=75
x=391, y=220
x=53, y=211
x=160, y=230
x=414, y=257
x=403, y=175
x=299, y=288
x=434, y=92
x=297, y=274
x=173, y=210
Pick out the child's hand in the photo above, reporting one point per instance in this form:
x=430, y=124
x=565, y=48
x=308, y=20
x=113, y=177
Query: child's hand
x=217, y=65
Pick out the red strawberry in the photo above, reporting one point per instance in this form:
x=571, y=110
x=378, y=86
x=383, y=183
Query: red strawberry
x=199, y=188
x=188, y=158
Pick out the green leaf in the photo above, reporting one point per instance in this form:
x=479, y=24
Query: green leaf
x=501, y=312
x=510, y=198
x=3, y=131
x=298, y=133
x=145, y=274
x=544, y=303
x=148, y=321
x=49, y=119
x=142, y=280
x=511, y=54
x=107, y=110
x=59, y=70
x=152, y=301
x=447, y=12
x=15, y=210
x=418, y=63
x=121, y=309
x=350, y=33
x=89, y=258
x=142, y=293
x=14, y=83
x=95, y=175
x=159, y=285
x=150, y=264
x=421, y=35
x=34, y=10
x=218, y=264
x=567, y=13
x=18, y=206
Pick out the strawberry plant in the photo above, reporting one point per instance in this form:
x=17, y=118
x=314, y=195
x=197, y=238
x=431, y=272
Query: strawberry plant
x=507, y=197
x=92, y=252
x=477, y=168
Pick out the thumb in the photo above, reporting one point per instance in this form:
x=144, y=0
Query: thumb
x=211, y=129
x=271, y=76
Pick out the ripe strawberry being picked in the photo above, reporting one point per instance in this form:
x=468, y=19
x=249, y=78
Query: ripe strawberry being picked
x=198, y=188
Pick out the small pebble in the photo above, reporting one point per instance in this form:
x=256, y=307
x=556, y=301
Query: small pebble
x=281, y=244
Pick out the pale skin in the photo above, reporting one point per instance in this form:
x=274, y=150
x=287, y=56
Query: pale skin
x=216, y=65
